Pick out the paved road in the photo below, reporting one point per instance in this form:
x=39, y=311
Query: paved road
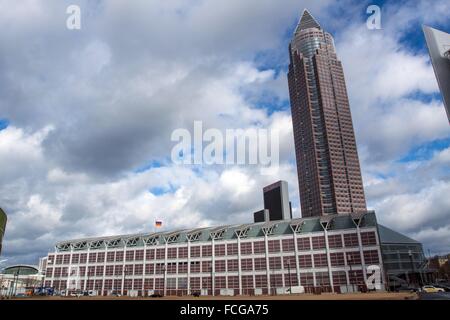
x=435, y=296
x=347, y=296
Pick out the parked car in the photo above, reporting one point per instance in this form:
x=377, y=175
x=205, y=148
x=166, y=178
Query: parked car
x=156, y=295
x=115, y=294
x=442, y=286
x=44, y=291
x=196, y=294
x=76, y=294
x=432, y=289
x=407, y=289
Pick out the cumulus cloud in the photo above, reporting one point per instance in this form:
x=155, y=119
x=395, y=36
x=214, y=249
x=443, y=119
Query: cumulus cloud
x=396, y=109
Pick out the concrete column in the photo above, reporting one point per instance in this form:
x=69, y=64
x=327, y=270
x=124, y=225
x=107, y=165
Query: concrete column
x=69, y=267
x=86, y=273
x=104, y=268
x=189, y=268
x=312, y=261
x=213, y=266
x=347, y=276
x=239, y=265
x=327, y=249
x=383, y=275
x=297, y=266
x=266, y=243
x=165, y=268
x=144, y=261
x=123, y=267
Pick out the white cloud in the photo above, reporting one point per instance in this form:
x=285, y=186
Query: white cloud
x=378, y=67
x=420, y=213
x=20, y=152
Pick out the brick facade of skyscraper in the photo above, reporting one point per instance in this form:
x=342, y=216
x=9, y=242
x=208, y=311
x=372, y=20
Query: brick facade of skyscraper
x=327, y=159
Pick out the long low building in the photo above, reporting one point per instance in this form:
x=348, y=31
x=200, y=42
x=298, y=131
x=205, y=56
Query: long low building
x=337, y=253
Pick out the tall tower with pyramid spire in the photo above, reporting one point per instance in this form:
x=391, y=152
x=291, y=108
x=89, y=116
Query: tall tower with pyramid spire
x=328, y=167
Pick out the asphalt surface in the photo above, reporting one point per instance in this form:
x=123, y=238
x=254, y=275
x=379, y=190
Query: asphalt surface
x=435, y=296
x=349, y=296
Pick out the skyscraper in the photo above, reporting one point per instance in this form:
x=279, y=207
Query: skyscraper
x=261, y=216
x=327, y=160
x=276, y=201
x=439, y=46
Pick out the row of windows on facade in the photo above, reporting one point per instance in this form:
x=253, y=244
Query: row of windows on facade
x=220, y=282
x=257, y=247
x=402, y=266
x=337, y=259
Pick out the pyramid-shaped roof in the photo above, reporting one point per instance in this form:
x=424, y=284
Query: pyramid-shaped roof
x=307, y=21
x=390, y=236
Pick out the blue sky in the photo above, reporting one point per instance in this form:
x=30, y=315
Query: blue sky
x=4, y=123
x=426, y=150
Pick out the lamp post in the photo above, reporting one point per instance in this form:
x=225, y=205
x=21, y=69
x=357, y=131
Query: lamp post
x=290, y=280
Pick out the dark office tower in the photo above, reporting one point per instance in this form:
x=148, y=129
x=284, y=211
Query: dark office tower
x=261, y=216
x=276, y=201
x=327, y=160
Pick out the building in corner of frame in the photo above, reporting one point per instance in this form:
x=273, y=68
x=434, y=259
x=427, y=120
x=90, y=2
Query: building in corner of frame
x=3, y=219
x=336, y=253
x=438, y=43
